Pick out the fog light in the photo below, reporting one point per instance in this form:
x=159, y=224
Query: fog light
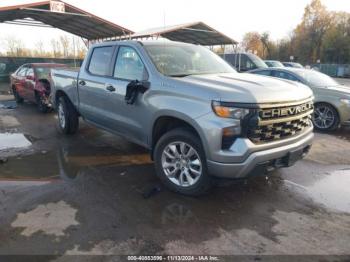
x=229, y=135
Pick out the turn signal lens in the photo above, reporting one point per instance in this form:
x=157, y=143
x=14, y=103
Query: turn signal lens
x=222, y=111
x=229, y=112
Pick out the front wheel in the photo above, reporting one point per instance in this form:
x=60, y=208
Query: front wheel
x=42, y=106
x=18, y=98
x=325, y=117
x=181, y=163
x=68, y=118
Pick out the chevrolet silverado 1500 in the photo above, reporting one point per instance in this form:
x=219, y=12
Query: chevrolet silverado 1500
x=198, y=117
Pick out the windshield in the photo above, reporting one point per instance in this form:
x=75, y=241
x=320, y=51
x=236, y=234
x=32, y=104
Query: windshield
x=317, y=79
x=274, y=63
x=184, y=60
x=257, y=61
x=297, y=65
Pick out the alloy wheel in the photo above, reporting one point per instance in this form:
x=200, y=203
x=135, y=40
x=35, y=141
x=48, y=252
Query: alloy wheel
x=181, y=164
x=323, y=117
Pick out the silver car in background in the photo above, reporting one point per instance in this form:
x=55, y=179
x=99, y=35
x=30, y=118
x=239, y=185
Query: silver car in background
x=273, y=63
x=332, y=100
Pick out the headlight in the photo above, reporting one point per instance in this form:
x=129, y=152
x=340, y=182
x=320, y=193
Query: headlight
x=345, y=101
x=228, y=111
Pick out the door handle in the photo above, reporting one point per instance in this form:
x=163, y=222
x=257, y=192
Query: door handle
x=110, y=88
x=82, y=82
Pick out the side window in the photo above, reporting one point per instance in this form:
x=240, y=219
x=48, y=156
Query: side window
x=243, y=60
x=279, y=74
x=249, y=64
x=265, y=73
x=22, y=71
x=284, y=75
x=291, y=77
x=129, y=65
x=30, y=72
x=100, y=59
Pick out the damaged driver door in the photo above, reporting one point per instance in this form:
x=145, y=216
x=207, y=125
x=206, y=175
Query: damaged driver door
x=127, y=88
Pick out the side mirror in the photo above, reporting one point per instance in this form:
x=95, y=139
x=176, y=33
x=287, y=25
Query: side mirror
x=134, y=88
x=30, y=77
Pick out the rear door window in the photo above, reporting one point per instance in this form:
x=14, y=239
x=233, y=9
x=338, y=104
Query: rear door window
x=264, y=73
x=100, y=61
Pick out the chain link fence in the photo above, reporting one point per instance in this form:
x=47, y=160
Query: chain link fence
x=334, y=70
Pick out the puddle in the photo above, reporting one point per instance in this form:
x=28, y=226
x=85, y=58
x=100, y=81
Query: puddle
x=10, y=140
x=66, y=164
x=8, y=104
x=333, y=191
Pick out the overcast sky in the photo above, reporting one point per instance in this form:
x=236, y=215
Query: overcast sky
x=232, y=17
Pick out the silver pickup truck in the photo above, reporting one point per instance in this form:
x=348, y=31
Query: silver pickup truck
x=198, y=117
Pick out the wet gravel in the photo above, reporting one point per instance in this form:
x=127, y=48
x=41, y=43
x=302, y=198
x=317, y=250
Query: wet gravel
x=98, y=183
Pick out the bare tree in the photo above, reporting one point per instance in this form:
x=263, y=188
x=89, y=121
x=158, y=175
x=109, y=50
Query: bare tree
x=56, y=49
x=265, y=40
x=13, y=46
x=65, y=44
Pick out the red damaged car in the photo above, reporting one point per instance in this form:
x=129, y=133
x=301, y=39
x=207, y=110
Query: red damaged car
x=31, y=82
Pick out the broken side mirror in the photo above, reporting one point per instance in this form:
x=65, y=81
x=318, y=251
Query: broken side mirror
x=134, y=88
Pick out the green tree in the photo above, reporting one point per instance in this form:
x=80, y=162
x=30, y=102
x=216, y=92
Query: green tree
x=252, y=43
x=310, y=33
x=336, y=42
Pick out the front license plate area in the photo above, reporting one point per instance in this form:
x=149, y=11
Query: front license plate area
x=293, y=156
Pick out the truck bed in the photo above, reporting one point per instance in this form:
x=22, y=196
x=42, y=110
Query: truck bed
x=66, y=72
x=66, y=79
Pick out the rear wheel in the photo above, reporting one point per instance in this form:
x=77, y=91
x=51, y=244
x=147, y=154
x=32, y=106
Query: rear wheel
x=68, y=118
x=325, y=117
x=181, y=163
x=18, y=98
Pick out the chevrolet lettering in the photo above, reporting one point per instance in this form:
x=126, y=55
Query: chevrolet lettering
x=286, y=111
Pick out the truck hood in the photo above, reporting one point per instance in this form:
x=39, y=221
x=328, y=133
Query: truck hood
x=249, y=88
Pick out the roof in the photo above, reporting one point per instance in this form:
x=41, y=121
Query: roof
x=71, y=19
x=194, y=33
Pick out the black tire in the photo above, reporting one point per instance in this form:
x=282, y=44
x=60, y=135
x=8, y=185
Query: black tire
x=18, y=98
x=332, y=112
x=70, y=115
x=204, y=182
x=42, y=107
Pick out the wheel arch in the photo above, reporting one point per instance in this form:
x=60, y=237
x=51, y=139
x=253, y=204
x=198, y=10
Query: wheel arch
x=166, y=122
x=330, y=104
x=59, y=93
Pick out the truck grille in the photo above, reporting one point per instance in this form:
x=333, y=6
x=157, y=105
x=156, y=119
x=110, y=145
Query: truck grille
x=272, y=127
